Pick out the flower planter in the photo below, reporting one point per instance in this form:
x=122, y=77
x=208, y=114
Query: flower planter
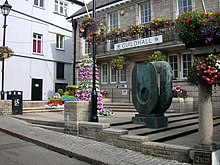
x=182, y=105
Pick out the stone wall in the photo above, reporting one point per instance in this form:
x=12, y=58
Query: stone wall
x=28, y=104
x=5, y=107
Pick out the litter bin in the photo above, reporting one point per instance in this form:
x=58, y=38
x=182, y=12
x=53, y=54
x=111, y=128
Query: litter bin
x=16, y=97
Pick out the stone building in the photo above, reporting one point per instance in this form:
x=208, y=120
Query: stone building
x=122, y=14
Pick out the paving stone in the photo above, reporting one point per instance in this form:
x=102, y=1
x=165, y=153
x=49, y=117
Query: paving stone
x=84, y=149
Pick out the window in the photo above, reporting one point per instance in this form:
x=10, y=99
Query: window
x=61, y=7
x=174, y=64
x=145, y=12
x=113, y=20
x=37, y=43
x=104, y=74
x=113, y=23
x=184, y=6
x=113, y=75
x=122, y=75
x=186, y=64
x=60, y=70
x=60, y=86
x=88, y=48
x=39, y=3
x=181, y=62
x=59, y=41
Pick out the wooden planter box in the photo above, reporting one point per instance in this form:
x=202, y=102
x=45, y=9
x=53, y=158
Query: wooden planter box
x=182, y=105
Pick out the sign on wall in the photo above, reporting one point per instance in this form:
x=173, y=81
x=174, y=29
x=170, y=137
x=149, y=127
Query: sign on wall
x=139, y=42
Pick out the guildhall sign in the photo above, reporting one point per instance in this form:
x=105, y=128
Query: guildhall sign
x=139, y=42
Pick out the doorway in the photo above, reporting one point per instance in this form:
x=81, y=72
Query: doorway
x=36, y=90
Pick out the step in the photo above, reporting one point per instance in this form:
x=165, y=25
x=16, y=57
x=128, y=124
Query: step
x=42, y=122
x=42, y=110
x=171, y=126
x=130, y=126
x=172, y=134
x=53, y=128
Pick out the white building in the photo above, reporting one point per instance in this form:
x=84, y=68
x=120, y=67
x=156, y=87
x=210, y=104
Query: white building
x=41, y=38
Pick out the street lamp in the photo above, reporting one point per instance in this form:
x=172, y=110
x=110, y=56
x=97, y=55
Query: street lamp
x=6, y=8
x=94, y=117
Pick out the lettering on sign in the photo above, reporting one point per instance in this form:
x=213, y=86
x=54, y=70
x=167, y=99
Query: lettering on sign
x=203, y=158
x=139, y=42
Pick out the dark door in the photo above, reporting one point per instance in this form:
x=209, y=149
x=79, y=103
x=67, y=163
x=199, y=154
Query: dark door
x=36, y=91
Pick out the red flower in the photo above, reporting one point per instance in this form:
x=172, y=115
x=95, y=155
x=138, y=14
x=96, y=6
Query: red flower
x=186, y=21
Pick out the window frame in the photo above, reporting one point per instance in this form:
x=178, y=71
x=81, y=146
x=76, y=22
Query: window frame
x=142, y=18
x=176, y=69
x=58, y=6
x=36, y=42
x=182, y=64
x=87, y=48
x=122, y=74
x=111, y=69
x=39, y=3
x=183, y=8
x=116, y=18
x=102, y=73
x=60, y=40
x=58, y=72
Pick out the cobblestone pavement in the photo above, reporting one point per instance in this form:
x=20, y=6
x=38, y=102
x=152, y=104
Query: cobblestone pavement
x=84, y=149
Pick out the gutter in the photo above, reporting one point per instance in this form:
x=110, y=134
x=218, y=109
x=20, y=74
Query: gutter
x=99, y=8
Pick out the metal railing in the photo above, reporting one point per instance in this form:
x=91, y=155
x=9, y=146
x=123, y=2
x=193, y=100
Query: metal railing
x=168, y=34
x=122, y=95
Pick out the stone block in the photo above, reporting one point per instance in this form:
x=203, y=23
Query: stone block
x=109, y=135
x=179, y=153
x=156, y=121
x=90, y=129
x=75, y=112
x=131, y=142
x=5, y=107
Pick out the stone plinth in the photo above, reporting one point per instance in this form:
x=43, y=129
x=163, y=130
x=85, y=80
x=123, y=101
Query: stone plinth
x=156, y=121
x=75, y=112
x=5, y=107
x=182, y=105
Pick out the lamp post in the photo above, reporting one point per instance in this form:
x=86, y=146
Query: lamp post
x=94, y=117
x=74, y=25
x=6, y=8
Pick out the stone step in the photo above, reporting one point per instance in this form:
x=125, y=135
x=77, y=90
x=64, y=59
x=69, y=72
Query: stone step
x=171, y=134
x=42, y=109
x=53, y=128
x=42, y=122
x=171, y=126
x=120, y=107
x=171, y=119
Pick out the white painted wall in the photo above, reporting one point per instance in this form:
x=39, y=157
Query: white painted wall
x=24, y=65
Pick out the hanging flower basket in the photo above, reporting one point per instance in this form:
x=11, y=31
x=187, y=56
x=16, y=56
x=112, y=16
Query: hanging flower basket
x=5, y=52
x=196, y=28
x=118, y=63
x=205, y=70
x=90, y=27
